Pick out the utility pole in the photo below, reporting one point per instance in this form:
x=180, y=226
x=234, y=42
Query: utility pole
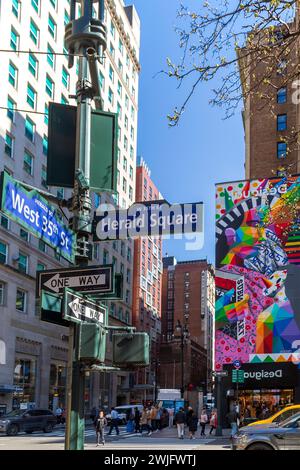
x=86, y=37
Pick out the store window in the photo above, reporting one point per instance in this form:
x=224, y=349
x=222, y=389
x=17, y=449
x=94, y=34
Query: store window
x=57, y=386
x=24, y=381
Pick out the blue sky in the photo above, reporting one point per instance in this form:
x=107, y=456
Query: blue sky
x=185, y=161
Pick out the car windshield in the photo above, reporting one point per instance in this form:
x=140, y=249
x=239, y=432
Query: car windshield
x=14, y=413
x=287, y=422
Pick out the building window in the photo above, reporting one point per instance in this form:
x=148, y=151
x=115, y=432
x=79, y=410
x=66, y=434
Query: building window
x=54, y=3
x=282, y=122
x=114, y=263
x=124, y=185
x=46, y=116
x=126, y=101
x=111, y=73
x=112, y=29
x=65, y=78
x=64, y=100
x=3, y=253
x=121, y=46
x=44, y=176
x=127, y=298
x=29, y=129
x=9, y=145
x=281, y=149
x=28, y=163
x=122, y=249
x=105, y=257
x=119, y=110
x=128, y=276
x=31, y=96
x=66, y=18
x=45, y=145
x=24, y=235
x=128, y=254
x=40, y=267
x=127, y=80
x=130, y=193
x=42, y=246
x=33, y=65
x=110, y=96
x=2, y=297
x=282, y=95
x=125, y=143
x=120, y=67
x=52, y=27
x=101, y=80
x=23, y=263
x=36, y=5
x=131, y=152
x=14, y=39
x=49, y=86
x=16, y=8
x=21, y=300
x=4, y=221
x=13, y=75
x=50, y=56
x=119, y=89
x=34, y=32
x=11, y=105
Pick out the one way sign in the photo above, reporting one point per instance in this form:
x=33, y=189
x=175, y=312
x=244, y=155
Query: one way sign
x=93, y=279
x=77, y=308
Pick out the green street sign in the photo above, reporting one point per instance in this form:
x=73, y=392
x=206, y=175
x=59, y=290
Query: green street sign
x=62, y=142
x=238, y=376
x=50, y=309
x=33, y=212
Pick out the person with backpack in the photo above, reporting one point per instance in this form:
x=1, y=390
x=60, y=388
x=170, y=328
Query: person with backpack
x=180, y=422
x=100, y=423
x=203, y=421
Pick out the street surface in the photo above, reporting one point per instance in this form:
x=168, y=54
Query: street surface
x=162, y=440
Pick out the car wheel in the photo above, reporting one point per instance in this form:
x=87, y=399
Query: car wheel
x=12, y=430
x=260, y=446
x=48, y=427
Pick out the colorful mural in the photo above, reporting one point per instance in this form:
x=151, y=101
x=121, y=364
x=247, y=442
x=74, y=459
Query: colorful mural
x=258, y=271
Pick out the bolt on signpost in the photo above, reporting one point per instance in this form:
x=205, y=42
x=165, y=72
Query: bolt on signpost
x=86, y=37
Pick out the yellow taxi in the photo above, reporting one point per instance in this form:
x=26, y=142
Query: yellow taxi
x=280, y=416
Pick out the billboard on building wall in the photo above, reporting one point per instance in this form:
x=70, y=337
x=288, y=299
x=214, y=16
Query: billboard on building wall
x=257, y=317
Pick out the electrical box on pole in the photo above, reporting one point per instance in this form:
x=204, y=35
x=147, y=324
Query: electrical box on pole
x=131, y=349
x=92, y=343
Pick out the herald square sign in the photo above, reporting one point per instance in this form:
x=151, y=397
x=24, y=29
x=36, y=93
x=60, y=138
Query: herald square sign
x=33, y=212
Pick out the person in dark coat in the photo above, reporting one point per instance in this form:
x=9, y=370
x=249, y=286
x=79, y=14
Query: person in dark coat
x=192, y=422
x=137, y=420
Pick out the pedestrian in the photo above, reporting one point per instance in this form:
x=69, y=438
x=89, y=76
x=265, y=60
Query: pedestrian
x=100, y=423
x=213, y=421
x=114, y=421
x=145, y=418
x=232, y=418
x=180, y=421
x=153, y=418
x=58, y=414
x=192, y=422
x=203, y=421
x=137, y=419
x=171, y=417
x=158, y=417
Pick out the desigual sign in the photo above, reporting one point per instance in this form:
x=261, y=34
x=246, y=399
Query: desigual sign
x=257, y=376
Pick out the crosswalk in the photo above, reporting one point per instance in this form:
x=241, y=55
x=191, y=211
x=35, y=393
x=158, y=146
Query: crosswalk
x=88, y=432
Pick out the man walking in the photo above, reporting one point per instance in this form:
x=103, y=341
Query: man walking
x=100, y=424
x=114, y=421
x=180, y=421
x=232, y=418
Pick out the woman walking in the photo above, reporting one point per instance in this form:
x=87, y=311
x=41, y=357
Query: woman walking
x=203, y=420
x=100, y=424
x=192, y=422
x=213, y=421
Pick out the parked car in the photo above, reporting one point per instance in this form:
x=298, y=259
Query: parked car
x=28, y=421
x=278, y=436
x=123, y=411
x=280, y=416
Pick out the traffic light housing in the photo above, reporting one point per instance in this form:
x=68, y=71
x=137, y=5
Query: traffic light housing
x=131, y=349
x=92, y=343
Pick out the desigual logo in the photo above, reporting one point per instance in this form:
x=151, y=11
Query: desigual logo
x=263, y=374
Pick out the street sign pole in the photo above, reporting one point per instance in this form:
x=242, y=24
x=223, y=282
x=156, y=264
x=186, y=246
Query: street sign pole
x=219, y=406
x=81, y=41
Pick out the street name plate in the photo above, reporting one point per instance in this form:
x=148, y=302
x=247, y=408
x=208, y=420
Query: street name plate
x=33, y=212
x=93, y=279
x=220, y=373
x=78, y=308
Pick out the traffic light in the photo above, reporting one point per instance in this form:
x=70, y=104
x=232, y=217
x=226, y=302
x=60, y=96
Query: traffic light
x=131, y=349
x=92, y=342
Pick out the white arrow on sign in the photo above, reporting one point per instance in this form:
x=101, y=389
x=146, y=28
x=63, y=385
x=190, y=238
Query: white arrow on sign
x=56, y=283
x=81, y=309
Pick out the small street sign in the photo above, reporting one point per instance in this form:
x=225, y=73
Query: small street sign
x=33, y=212
x=238, y=376
x=220, y=373
x=142, y=220
x=237, y=364
x=93, y=279
x=78, y=308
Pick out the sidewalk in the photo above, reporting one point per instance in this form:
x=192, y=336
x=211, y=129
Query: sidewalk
x=172, y=432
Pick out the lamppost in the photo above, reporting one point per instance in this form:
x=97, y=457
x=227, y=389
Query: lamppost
x=156, y=364
x=182, y=332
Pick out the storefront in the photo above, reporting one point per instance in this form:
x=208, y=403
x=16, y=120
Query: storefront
x=57, y=385
x=266, y=388
x=25, y=372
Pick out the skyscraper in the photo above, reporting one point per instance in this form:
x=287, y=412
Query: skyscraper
x=33, y=354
